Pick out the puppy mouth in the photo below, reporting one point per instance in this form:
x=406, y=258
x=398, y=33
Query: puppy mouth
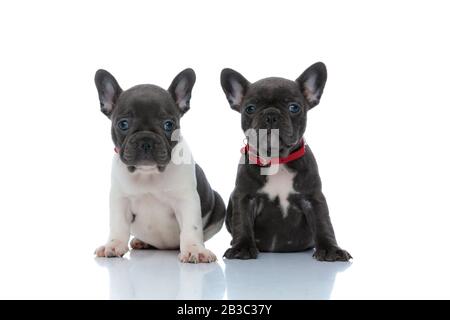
x=273, y=143
x=146, y=161
x=148, y=169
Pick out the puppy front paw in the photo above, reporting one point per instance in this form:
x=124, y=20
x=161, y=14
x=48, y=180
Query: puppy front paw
x=243, y=253
x=331, y=254
x=114, y=248
x=195, y=254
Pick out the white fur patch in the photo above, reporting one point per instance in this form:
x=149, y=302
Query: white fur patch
x=273, y=244
x=307, y=204
x=280, y=185
x=155, y=222
x=160, y=208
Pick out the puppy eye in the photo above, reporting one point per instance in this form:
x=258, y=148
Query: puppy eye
x=250, y=109
x=294, y=108
x=123, y=125
x=168, y=125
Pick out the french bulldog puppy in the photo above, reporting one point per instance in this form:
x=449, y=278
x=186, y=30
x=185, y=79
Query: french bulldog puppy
x=282, y=209
x=158, y=193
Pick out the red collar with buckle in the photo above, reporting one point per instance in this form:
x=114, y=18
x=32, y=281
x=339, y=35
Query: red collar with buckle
x=262, y=162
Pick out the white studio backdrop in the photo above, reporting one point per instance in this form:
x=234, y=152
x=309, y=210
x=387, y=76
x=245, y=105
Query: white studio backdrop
x=380, y=133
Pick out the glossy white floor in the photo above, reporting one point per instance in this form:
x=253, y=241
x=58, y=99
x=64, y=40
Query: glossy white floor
x=380, y=136
x=63, y=268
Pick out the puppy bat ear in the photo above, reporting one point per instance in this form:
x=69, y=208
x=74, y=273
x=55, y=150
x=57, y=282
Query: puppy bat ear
x=181, y=89
x=235, y=86
x=108, y=91
x=311, y=83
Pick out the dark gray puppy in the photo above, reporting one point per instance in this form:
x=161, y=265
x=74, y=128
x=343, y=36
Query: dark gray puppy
x=283, y=210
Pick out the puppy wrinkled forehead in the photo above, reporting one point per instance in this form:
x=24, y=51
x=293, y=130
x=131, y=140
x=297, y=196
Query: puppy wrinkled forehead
x=146, y=99
x=274, y=89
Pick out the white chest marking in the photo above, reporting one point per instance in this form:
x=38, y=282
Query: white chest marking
x=280, y=185
x=152, y=198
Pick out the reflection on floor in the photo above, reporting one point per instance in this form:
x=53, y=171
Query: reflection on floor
x=281, y=276
x=156, y=274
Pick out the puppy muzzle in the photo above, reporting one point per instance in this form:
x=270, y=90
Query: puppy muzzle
x=146, y=148
x=273, y=133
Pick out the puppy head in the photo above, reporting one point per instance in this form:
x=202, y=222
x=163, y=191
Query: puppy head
x=144, y=117
x=275, y=103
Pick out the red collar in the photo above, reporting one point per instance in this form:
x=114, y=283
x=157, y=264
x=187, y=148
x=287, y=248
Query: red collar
x=262, y=162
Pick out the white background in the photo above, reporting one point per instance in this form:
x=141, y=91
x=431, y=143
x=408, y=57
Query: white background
x=380, y=135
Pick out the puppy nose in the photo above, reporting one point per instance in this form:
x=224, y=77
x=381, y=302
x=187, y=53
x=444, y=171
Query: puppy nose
x=146, y=146
x=271, y=118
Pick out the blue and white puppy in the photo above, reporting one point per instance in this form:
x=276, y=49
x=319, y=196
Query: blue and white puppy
x=161, y=198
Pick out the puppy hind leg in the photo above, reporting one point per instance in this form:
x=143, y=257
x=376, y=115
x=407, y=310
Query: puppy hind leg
x=243, y=244
x=216, y=218
x=318, y=218
x=137, y=244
